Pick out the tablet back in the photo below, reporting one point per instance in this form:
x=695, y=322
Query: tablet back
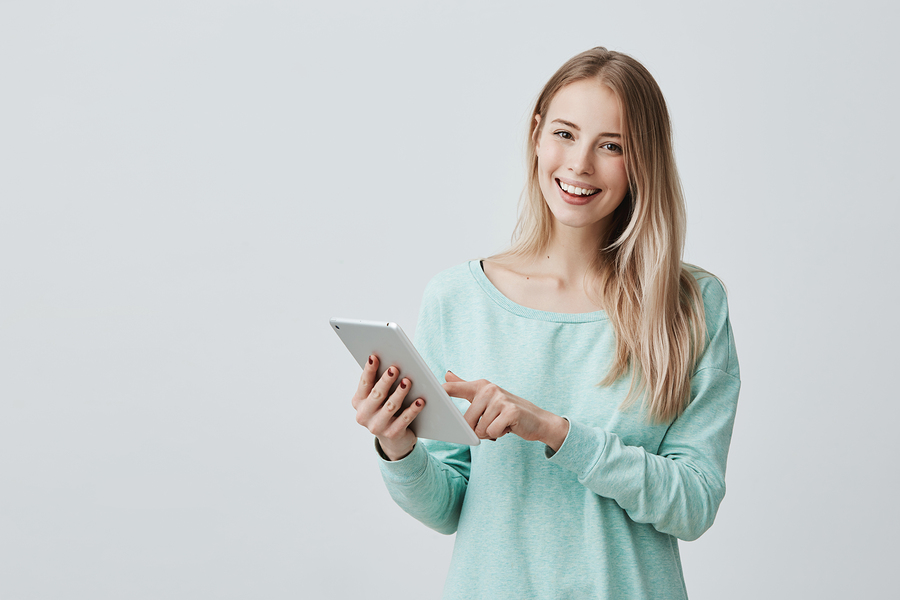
x=440, y=419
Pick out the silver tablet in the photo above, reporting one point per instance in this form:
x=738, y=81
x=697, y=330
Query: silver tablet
x=440, y=419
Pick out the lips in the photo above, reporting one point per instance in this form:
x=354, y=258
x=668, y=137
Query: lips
x=575, y=194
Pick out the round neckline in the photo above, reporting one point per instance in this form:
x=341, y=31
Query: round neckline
x=523, y=311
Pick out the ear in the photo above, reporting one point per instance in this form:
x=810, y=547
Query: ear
x=536, y=134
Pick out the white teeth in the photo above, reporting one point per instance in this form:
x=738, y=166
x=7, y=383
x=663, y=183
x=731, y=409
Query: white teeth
x=576, y=190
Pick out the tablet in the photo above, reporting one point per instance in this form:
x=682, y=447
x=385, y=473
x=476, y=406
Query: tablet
x=440, y=419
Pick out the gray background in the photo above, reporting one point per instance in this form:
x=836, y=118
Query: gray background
x=191, y=189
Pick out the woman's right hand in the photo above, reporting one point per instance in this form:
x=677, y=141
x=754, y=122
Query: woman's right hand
x=377, y=410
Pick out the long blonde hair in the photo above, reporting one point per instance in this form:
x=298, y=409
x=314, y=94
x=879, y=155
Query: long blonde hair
x=652, y=300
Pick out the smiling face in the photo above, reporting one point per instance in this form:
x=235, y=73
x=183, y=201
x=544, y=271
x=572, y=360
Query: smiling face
x=580, y=166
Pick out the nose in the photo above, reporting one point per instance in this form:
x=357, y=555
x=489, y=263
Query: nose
x=581, y=160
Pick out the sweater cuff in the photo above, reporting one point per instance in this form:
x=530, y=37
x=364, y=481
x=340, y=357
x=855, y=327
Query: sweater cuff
x=581, y=449
x=407, y=469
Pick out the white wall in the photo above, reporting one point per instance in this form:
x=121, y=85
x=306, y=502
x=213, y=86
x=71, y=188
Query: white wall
x=191, y=189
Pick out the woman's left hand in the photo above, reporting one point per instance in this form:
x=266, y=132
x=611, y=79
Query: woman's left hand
x=495, y=412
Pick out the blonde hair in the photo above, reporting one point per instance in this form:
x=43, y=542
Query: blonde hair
x=653, y=301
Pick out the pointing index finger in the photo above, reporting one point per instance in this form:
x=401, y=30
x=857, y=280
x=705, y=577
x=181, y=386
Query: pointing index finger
x=459, y=388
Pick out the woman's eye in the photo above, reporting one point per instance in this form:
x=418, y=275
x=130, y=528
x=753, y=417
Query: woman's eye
x=564, y=135
x=612, y=147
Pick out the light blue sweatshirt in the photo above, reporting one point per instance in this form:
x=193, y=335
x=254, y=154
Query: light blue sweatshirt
x=600, y=517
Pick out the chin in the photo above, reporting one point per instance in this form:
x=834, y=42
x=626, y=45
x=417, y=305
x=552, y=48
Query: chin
x=576, y=222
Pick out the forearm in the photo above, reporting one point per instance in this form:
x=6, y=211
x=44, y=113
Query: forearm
x=678, y=487
x=427, y=489
x=672, y=495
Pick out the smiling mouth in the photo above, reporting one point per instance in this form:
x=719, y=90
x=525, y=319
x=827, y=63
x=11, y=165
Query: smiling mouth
x=575, y=191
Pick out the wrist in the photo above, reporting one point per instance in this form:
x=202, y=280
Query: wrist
x=390, y=452
x=556, y=432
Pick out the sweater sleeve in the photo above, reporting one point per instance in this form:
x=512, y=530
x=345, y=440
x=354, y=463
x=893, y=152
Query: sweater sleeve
x=430, y=483
x=678, y=489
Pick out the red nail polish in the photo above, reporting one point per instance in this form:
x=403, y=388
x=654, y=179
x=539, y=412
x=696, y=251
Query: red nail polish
x=403, y=384
x=418, y=402
x=371, y=362
x=390, y=372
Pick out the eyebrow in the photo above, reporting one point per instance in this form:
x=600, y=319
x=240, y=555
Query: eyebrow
x=577, y=128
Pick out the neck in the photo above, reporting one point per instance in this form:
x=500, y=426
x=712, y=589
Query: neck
x=559, y=279
x=570, y=252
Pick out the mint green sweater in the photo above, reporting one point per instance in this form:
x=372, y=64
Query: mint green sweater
x=601, y=517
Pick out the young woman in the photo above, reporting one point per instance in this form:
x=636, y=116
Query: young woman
x=603, y=368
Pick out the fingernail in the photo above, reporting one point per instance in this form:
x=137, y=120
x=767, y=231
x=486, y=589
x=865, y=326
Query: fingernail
x=403, y=384
x=419, y=402
x=371, y=361
x=390, y=372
